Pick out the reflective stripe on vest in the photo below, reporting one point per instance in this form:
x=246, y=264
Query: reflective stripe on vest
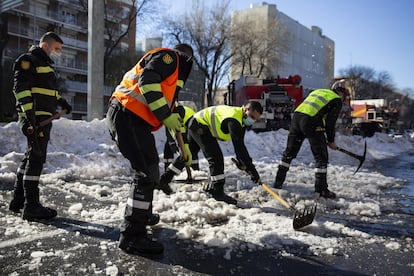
x=130, y=95
x=215, y=115
x=315, y=101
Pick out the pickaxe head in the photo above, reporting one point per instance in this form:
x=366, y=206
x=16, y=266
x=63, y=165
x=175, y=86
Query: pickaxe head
x=361, y=158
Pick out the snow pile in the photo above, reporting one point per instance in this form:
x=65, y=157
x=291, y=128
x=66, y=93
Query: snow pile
x=86, y=167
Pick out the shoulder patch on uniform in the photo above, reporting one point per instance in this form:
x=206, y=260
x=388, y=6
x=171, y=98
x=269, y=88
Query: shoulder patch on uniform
x=167, y=59
x=25, y=64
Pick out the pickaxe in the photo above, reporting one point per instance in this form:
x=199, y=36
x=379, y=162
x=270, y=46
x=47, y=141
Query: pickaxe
x=53, y=117
x=361, y=158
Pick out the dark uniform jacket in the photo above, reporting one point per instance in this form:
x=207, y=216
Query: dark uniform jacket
x=35, y=85
x=151, y=87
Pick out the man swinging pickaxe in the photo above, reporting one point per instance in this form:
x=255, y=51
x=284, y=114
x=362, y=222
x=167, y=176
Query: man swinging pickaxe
x=361, y=158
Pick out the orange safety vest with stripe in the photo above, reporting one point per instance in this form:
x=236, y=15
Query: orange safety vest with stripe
x=130, y=95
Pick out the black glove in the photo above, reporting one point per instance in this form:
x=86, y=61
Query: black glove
x=27, y=127
x=254, y=176
x=239, y=164
x=28, y=124
x=64, y=104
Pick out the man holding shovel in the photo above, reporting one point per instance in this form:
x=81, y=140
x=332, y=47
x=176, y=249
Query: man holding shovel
x=224, y=123
x=37, y=97
x=314, y=118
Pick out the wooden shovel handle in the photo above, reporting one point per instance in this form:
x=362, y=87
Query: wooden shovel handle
x=277, y=196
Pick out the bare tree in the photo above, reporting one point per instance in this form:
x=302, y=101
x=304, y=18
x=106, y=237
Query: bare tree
x=257, y=49
x=120, y=21
x=207, y=30
x=119, y=64
x=359, y=78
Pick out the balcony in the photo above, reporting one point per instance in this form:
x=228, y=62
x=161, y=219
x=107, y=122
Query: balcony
x=82, y=87
x=57, y=17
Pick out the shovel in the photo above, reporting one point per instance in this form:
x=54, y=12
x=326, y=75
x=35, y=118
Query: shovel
x=300, y=218
x=180, y=141
x=361, y=158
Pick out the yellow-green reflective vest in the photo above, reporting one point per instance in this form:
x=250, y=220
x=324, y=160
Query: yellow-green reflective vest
x=214, y=116
x=188, y=113
x=315, y=101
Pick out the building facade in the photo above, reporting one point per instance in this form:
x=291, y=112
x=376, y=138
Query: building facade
x=310, y=53
x=27, y=20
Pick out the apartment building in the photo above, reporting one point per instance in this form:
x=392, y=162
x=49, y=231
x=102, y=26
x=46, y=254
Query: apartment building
x=310, y=53
x=25, y=22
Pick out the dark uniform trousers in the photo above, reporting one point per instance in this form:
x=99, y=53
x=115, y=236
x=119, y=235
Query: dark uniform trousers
x=200, y=135
x=136, y=143
x=177, y=165
x=303, y=127
x=26, y=188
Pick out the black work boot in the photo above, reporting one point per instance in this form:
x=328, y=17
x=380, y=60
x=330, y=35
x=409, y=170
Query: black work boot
x=165, y=179
x=33, y=210
x=140, y=245
x=217, y=192
x=153, y=219
x=38, y=212
x=17, y=203
x=321, y=186
x=327, y=194
x=280, y=177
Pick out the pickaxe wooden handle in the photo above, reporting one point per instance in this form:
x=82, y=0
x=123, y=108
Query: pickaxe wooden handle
x=53, y=117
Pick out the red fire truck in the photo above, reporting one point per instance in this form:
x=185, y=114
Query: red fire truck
x=279, y=98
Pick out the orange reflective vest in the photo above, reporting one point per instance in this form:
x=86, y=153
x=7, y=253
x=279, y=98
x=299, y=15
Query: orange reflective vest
x=129, y=94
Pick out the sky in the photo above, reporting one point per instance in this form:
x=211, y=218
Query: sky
x=84, y=163
x=373, y=33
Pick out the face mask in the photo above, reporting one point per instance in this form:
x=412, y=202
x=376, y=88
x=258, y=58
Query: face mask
x=248, y=121
x=54, y=56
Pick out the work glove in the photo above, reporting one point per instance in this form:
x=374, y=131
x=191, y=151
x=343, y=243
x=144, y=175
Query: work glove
x=189, y=155
x=64, y=104
x=27, y=127
x=239, y=164
x=254, y=176
x=173, y=122
x=28, y=124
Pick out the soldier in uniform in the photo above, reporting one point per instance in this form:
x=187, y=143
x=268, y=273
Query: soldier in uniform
x=37, y=98
x=142, y=103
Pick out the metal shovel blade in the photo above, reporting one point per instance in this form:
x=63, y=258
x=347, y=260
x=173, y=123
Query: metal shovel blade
x=304, y=218
x=300, y=219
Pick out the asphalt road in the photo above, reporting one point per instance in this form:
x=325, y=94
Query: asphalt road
x=70, y=246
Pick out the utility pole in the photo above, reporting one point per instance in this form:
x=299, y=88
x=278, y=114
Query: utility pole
x=95, y=58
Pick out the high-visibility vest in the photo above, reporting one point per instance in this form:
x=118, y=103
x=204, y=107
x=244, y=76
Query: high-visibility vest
x=188, y=113
x=129, y=94
x=315, y=101
x=214, y=116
